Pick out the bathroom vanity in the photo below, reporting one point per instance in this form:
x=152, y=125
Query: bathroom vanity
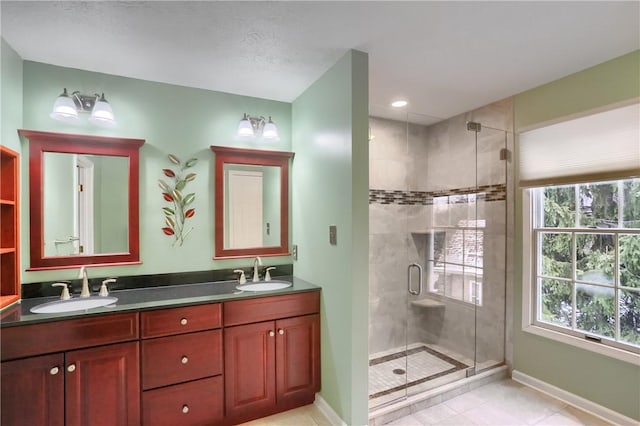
x=220, y=359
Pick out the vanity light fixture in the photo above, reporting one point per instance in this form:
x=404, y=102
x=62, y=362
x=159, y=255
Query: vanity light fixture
x=66, y=108
x=250, y=126
x=399, y=103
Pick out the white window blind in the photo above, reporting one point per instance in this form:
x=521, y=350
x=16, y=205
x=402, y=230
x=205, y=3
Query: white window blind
x=605, y=145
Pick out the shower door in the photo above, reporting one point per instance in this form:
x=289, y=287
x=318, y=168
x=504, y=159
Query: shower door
x=446, y=240
x=456, y=323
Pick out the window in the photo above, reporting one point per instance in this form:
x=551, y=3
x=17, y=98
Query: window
x=586, y=255
x=455, y=252
x=581, y=231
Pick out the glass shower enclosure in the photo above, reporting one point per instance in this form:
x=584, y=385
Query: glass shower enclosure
x=437, y=209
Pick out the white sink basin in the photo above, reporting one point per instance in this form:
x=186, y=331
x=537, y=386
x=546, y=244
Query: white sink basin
x=78, y=304
x=264, y=286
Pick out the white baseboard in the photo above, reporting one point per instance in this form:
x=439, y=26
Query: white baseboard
x=572, y=399
x=328, y=412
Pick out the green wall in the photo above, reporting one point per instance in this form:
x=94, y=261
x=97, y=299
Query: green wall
x=271, y=206
x=11, y=95
x=111, y=234
x=609, y=382
x=330, y=187
x=172, y=119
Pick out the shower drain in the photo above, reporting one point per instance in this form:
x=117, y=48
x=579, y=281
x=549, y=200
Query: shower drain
x=399, y=371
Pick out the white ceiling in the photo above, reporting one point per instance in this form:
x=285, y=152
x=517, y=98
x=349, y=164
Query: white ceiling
x=444, y=57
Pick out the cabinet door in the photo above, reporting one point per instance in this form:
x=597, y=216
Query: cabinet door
x=249, y=368
x=33, y=391
x=103, y=386
x=298, y=359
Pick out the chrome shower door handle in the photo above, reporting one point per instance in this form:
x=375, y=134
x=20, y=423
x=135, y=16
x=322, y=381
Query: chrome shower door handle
x=409, y=288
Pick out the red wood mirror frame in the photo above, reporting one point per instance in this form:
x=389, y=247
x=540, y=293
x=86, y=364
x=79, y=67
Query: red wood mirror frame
x=227, y=155
x=41, y=142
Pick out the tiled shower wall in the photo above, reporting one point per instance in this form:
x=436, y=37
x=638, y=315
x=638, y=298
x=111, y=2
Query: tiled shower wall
x=409, y=165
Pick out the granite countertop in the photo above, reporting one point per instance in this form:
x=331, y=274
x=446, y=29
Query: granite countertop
x=149, y=298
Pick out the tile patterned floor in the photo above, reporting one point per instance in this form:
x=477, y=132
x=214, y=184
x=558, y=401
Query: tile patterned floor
x=505, y=403
x=391, y=374
x=309, y=415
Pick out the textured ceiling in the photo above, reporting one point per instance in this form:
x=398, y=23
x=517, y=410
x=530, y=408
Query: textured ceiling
x=444, y=57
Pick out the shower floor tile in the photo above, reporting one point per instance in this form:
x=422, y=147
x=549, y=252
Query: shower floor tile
x=392, y=374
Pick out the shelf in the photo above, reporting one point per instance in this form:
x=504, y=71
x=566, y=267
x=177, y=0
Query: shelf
x=427, y=303
x=9, y=228
x=5, y=301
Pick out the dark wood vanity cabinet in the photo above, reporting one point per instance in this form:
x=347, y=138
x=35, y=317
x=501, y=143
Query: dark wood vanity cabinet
x=97, y=385
x=218, y=363
x=273, y=365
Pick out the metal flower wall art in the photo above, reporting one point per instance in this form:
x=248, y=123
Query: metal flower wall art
x=179, y=210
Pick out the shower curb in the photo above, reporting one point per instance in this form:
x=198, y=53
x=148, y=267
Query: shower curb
x=415, y=403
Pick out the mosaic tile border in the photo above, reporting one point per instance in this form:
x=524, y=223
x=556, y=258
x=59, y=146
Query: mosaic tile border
x=496, y=192
x=457, y=365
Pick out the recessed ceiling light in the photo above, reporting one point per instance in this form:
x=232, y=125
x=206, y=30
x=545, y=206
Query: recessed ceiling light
x=399, y=104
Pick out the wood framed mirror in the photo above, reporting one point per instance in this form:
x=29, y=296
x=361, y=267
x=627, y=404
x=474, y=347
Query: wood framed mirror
x=251, y=202
x=84, y=199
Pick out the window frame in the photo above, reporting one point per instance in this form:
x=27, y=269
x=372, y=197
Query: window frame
x=530, y=309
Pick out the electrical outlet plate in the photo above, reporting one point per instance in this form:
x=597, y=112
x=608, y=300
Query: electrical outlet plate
x=294, y=252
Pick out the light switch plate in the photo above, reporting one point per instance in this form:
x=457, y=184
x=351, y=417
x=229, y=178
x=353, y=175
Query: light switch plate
x=333, y=235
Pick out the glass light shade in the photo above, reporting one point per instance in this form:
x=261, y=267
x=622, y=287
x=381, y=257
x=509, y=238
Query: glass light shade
x=245, y=129
x=102, y=114
x=270, y=131
x=399, y=103
x=64, y=109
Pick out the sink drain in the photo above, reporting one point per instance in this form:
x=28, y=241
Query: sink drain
x=399, y=371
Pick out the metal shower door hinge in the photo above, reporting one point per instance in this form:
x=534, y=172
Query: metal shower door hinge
x=472, y=126
x=505, y=154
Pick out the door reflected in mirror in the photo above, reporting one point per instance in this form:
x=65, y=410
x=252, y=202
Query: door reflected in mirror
x=251, y=206
x=85, y=204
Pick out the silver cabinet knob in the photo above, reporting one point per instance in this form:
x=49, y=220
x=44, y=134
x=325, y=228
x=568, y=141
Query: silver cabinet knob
x=183, y=321
x=281, y=332
x=271, y=333
x=185, y=409
x=71, y=368
x=54, y=371
x=184, y=360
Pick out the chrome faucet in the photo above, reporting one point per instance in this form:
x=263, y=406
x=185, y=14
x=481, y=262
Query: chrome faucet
x=85, y=282
x=257, y=261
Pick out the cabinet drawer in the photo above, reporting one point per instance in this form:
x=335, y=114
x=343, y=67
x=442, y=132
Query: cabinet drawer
x=175, y=359
x=58, y=336
x=188, y=404
x=270, y=308
x=165, y=322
